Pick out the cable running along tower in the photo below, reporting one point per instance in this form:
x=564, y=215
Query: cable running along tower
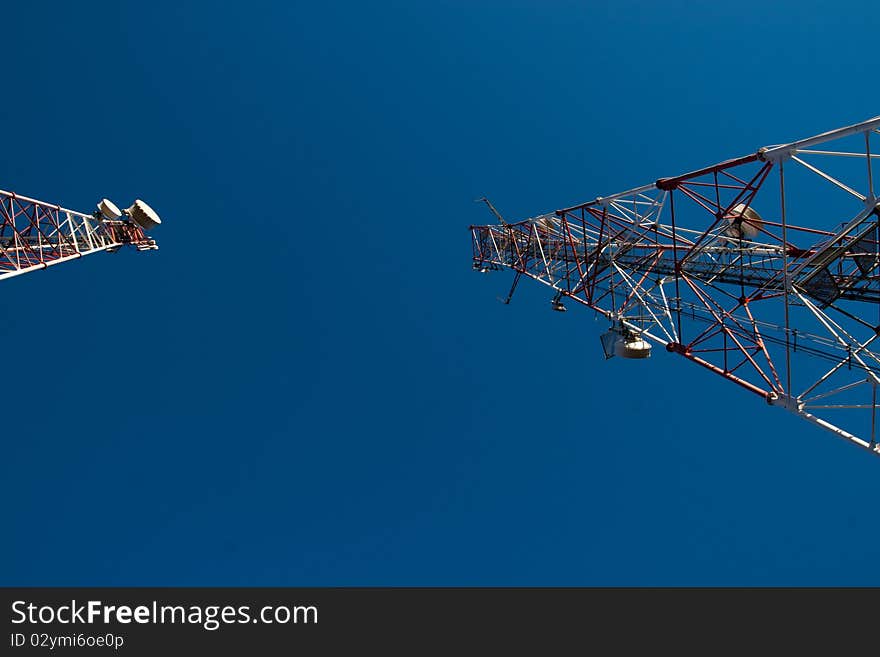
x=761, y=269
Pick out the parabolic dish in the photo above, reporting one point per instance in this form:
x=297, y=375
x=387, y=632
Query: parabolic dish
x=108, y=209
x=143, y=215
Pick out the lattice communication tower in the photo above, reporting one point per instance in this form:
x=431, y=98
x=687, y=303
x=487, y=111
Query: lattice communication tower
x=761, y=269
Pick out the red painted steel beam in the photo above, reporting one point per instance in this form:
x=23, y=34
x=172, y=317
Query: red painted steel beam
x=682, y=350
x=668, y=184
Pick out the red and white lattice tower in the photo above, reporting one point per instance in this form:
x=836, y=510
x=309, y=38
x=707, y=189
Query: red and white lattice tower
x=35, y=235
x=762, y=269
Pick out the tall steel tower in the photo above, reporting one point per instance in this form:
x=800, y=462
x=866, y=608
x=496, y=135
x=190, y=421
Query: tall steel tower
x=35, y=235
x=761, y=269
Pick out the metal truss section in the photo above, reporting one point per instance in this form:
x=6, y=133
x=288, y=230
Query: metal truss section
x=762, y=269
x=35, y=235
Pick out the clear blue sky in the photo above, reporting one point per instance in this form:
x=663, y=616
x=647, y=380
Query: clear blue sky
x=307, y=384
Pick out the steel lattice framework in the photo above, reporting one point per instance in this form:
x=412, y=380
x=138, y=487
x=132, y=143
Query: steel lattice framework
x=762, y=269
x=36, y=235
